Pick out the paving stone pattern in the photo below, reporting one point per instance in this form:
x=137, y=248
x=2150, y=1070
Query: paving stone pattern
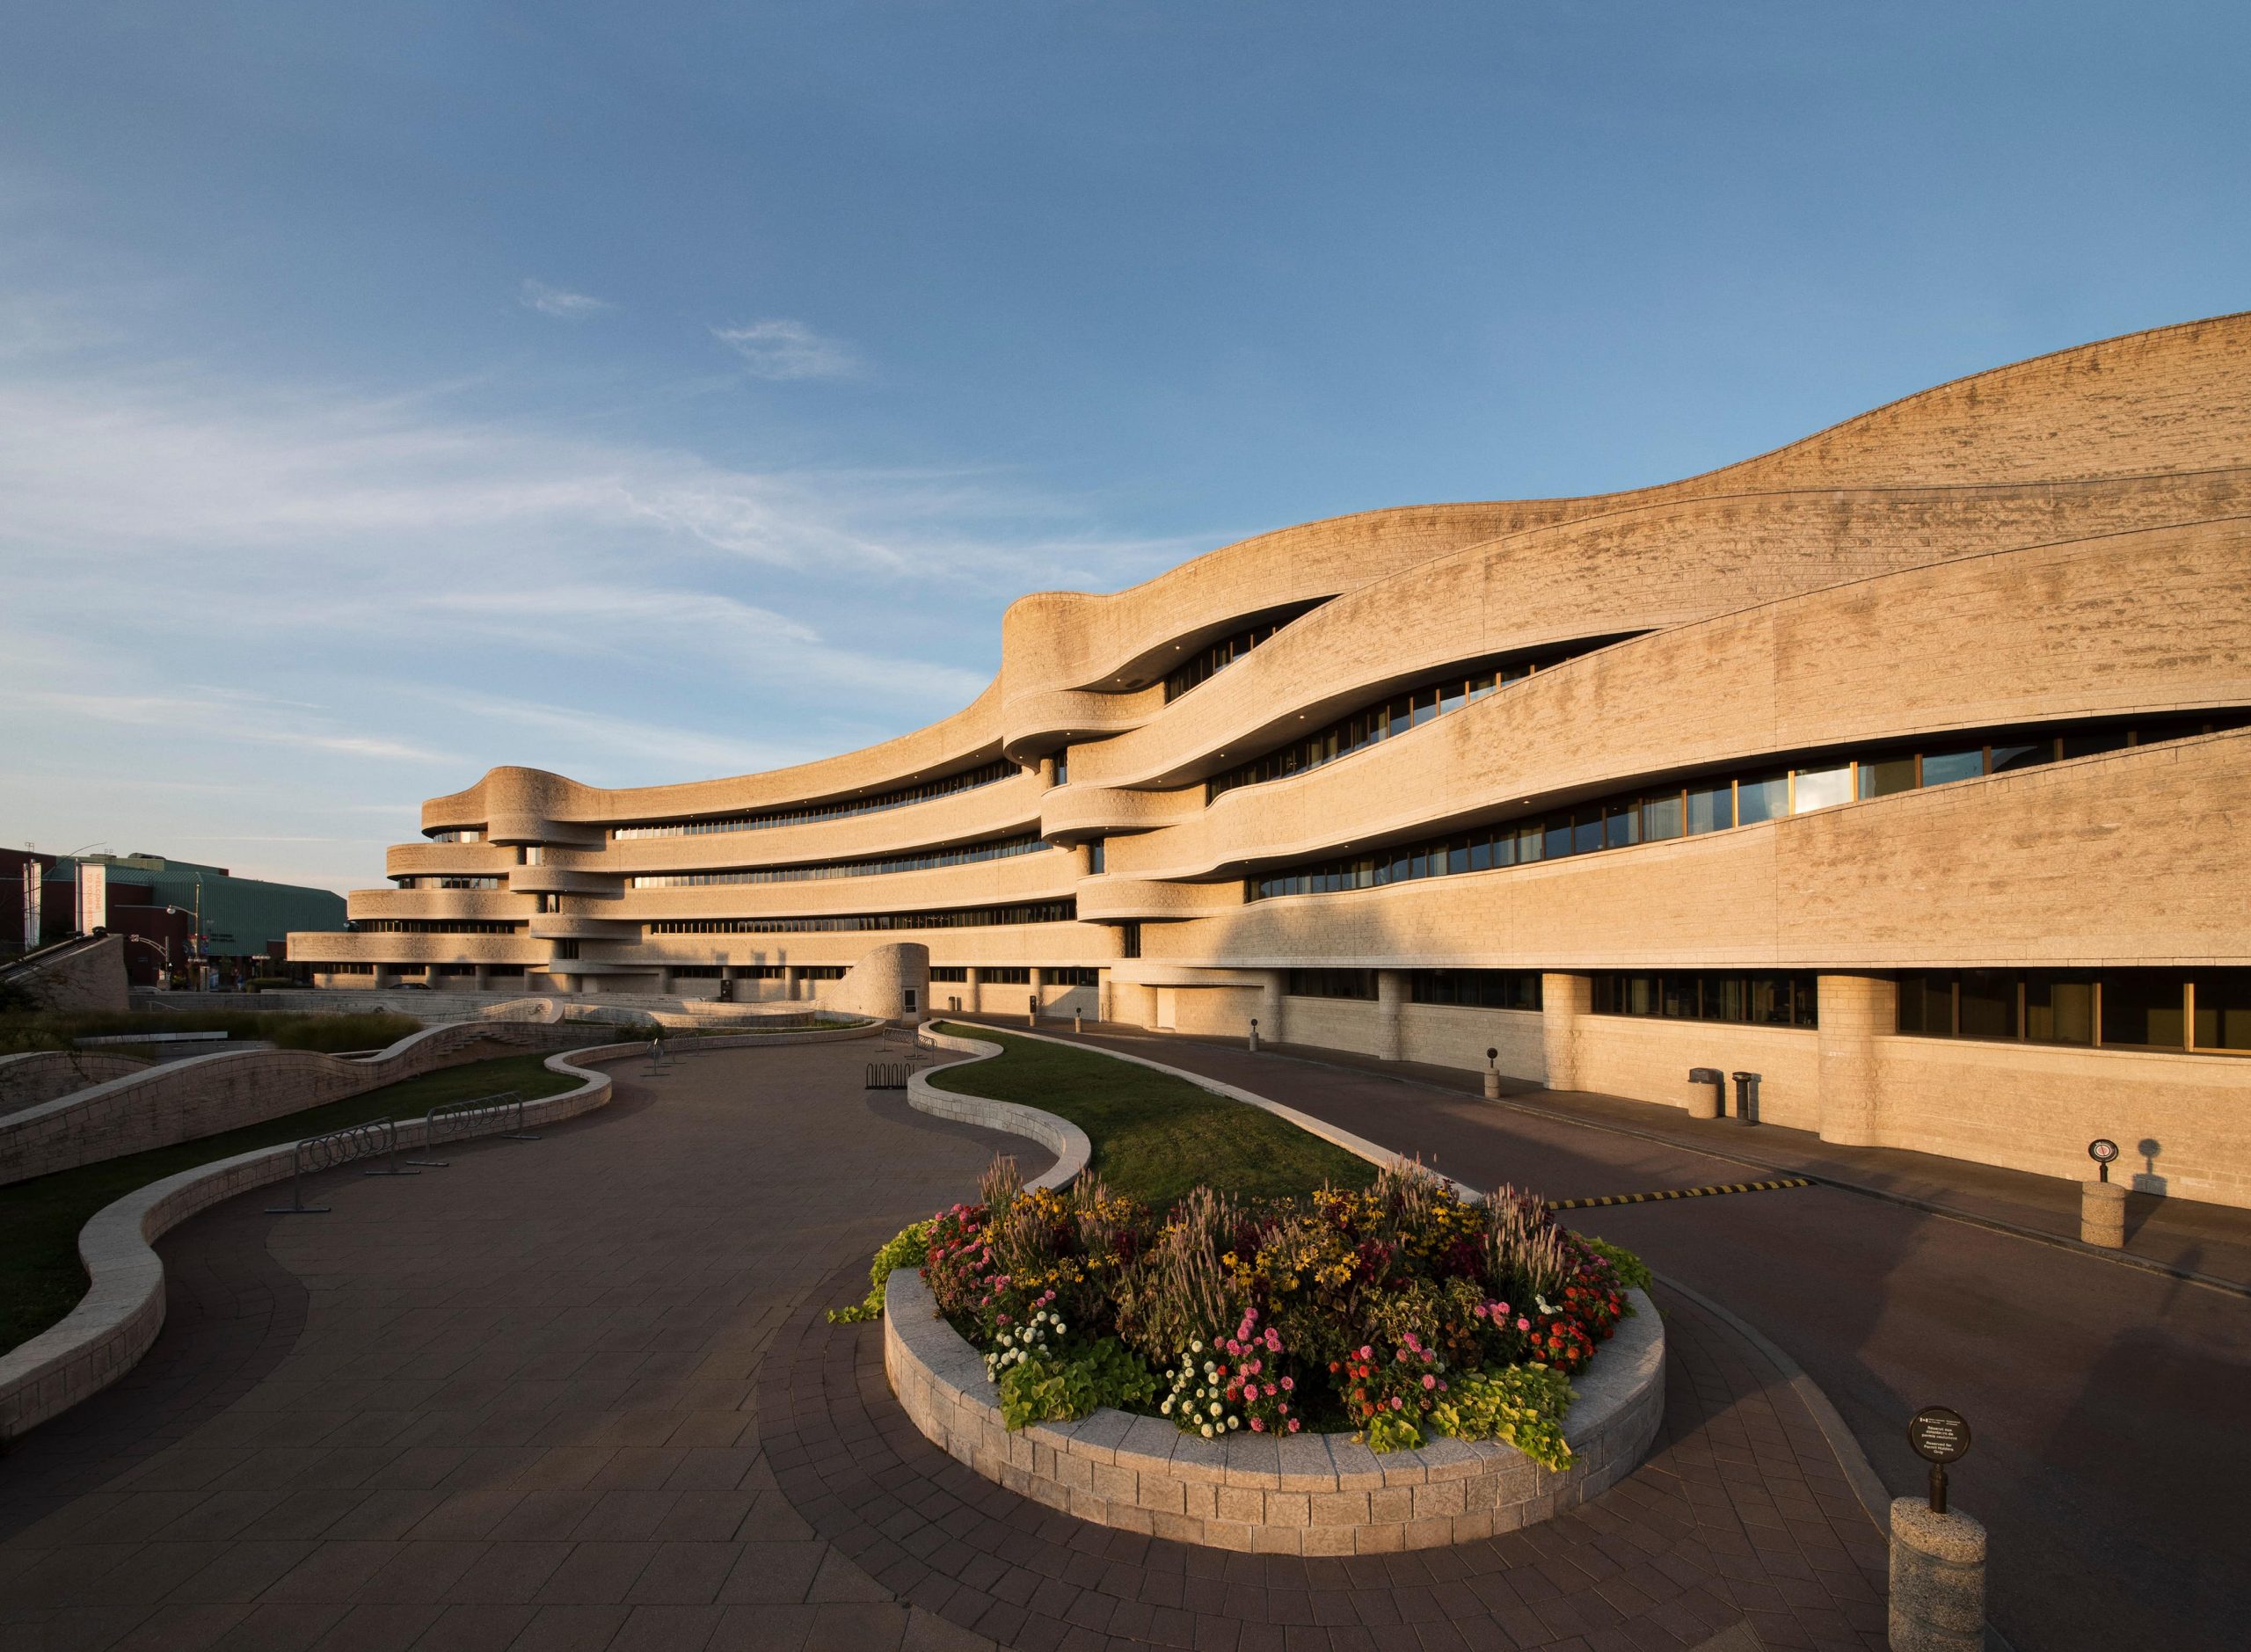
x=578, y=1393
x=1741, y=1513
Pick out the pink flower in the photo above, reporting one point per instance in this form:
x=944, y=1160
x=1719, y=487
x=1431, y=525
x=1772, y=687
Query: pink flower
x=1289, y=1385
x=1294, y=1425
x=1523, y=1324
x=1257, y=1426
x=1271, y=1391
x=1429, y=1381
x=1366, y=1352
x=1399, y=1354
x=1397, y=1402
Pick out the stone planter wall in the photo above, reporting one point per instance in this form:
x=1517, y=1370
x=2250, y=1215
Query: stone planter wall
x=1307, y=1494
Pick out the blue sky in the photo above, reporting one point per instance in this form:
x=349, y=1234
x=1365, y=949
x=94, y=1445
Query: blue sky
x=650, y=393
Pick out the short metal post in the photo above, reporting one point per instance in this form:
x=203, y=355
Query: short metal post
x=296, y=1206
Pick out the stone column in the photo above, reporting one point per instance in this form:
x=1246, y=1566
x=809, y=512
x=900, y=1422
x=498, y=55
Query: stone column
x=434, y=978
x=790, y=982
x=1563, y=999
x=1038, y=987
x=1273, y=1015
x=974, y=999
x=1390, y=1000
x=1046, y=773
x=1854, y=1011
x=484, y=978
x=1938, y=1580
x=664, y=982
x=384, y=978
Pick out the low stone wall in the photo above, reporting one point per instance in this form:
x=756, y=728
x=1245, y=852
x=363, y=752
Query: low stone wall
x=40, y=1075
x=123, y=1308
x=1059, y=1136
x=1309, y=1494
x=1306, y=1494
x=205, y=1096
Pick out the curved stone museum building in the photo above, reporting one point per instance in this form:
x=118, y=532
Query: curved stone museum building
x=1908, y=767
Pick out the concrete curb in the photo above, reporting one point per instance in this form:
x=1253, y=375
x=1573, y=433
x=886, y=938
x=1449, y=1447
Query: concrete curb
x=176, y=1101
x=1334, y=1497
x=115, y=1322
x=1059, y=1136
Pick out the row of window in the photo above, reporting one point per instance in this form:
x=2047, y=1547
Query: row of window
x=1718, y=804
x=844, y=808
x=464, y=834
x=1331, y=984
x=1064, y=911
x=1051, y=975
x=2154, y=1009
x=1209, y=661
x=1461, y=687
x=452, y=883
x=443, y=969
x=963, y=857
x=1475, y=989
x=431, y=926
x=1768, y=1000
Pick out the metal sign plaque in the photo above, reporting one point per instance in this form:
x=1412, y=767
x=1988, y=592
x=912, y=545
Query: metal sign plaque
x=2102, y=1150
x=1939, y=1435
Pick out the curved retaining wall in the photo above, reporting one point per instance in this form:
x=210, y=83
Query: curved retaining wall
x=1307, y=1494
x=123, y=1308
x=40, y=1075
x=205, y=1095
x=1059, y=1136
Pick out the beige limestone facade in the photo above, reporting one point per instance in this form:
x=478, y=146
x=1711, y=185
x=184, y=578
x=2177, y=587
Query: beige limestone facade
x=1906, y=768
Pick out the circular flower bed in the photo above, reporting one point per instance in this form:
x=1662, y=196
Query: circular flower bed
x=1397, y=1315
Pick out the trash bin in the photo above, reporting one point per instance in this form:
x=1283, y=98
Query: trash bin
x=1709, y=1100
x=1746, y=1098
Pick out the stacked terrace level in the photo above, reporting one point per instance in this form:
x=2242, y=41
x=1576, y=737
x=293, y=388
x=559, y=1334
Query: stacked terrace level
x=1906, y=766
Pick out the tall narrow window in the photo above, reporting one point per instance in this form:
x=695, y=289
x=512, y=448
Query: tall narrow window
x=1095, y=856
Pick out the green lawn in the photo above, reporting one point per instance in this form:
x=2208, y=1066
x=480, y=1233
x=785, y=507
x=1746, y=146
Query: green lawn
x=1154, y=1135
x=40, y=1279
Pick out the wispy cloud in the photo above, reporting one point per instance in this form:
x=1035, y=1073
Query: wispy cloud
x=220, y=713
x=784, y=349
x=559, y=301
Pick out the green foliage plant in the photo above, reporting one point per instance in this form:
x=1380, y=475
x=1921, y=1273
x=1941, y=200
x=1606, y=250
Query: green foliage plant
x=1052, y=1386
x=909, y=1247
x=1633, y=1274
x=1523, y=1406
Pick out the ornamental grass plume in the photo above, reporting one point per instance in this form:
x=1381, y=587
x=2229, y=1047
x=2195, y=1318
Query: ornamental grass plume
x=1524, y=1247
x=998, y=1188
x=1179, y=1292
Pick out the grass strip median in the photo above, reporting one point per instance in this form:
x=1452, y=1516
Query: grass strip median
x=41, y=1279
x=1154, y=1135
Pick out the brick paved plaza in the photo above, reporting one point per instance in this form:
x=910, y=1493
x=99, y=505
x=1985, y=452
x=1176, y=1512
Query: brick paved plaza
x=579, y=1395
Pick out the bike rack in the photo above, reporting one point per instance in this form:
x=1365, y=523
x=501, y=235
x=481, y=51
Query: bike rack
x=887, y=1075
x=445, y=1118
x=338, y=1148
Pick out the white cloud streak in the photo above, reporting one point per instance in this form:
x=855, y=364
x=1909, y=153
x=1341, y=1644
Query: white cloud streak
x=559, y=303
x=782, y=349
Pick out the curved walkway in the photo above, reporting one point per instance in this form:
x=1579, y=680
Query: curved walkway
x=578, y=1393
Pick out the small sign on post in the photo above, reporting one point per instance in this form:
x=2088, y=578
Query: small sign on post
x=2104, y=1152
x=1939, y=1435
